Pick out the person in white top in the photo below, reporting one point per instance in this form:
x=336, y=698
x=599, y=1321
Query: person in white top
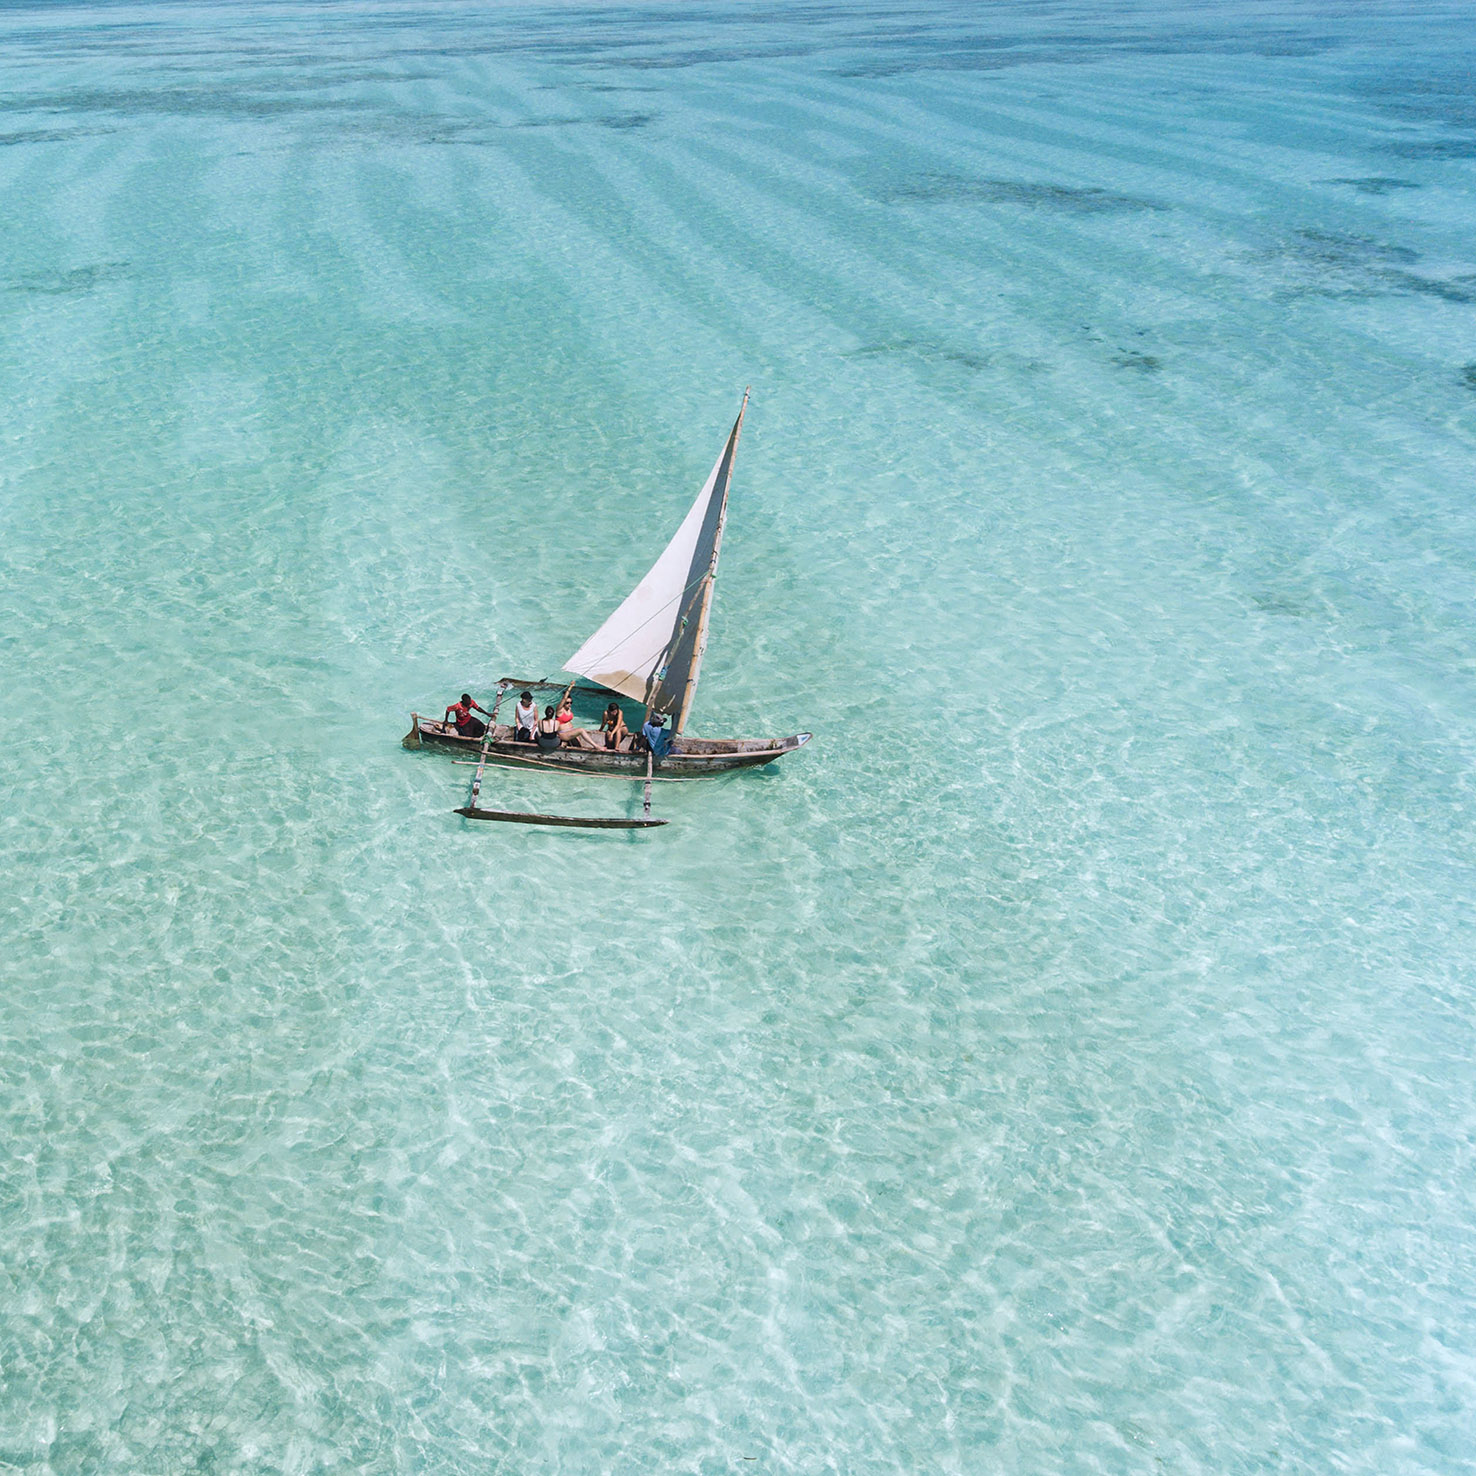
x=525, y=719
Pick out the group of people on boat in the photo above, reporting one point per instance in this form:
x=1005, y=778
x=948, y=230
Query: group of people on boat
x=555, y=729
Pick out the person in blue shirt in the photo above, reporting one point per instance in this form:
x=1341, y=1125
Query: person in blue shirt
x=654, y=732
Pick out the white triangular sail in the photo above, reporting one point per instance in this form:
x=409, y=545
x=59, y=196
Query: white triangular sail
x=650, y=649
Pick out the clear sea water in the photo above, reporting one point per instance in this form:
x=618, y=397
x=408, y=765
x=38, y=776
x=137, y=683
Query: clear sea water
x=1065, y=1063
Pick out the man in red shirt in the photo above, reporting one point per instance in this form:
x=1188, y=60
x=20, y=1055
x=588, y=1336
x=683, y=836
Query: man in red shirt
x=461, y=714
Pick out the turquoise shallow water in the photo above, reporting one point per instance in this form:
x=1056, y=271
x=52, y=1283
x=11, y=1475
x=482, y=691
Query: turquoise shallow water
x=1080, y=1082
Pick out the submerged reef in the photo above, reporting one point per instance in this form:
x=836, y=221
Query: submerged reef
x=932, y=186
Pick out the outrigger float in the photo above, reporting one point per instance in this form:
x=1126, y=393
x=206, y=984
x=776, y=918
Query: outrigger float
x=649, y=650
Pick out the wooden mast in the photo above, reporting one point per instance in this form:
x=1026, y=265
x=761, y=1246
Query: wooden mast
x=699, y=644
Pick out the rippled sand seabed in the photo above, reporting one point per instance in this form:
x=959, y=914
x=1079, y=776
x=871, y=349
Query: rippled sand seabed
x=1064, y=1064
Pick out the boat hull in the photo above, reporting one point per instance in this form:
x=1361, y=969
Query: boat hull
x=693, y=758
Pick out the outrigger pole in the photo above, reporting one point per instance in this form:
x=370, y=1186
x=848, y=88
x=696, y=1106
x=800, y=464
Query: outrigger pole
x=473, y=811
x=476, y=792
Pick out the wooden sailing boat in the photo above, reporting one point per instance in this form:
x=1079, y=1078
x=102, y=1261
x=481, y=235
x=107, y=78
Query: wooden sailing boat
x=649, y=650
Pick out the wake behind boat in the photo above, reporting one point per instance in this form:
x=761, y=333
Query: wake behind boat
x=650, y=651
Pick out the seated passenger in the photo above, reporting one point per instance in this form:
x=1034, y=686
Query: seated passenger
x=655, y=734
x=612, y=725
x=525, y=719
x=461, y=714
x=548, y=730
x=565, y=719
